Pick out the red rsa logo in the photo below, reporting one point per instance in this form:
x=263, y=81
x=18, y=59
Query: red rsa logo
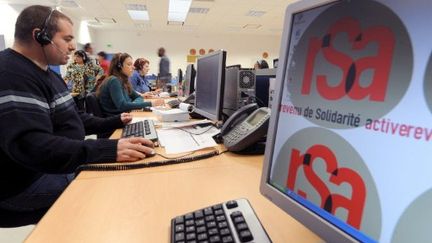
x=351, y=68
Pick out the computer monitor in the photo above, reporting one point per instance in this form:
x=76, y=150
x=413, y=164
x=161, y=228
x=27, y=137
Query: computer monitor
x=189, y=81
x=180, y=76
x=262, y=79
x=275, y=62
x=210, y=81
x=349, y=148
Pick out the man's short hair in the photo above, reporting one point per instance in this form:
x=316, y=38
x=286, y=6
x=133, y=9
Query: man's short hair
x=36, y=16
x=87, y=46
x=102, y=54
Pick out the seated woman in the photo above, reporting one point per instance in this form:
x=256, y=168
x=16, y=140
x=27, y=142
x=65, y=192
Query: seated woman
x=116, y=94
x=138, y=79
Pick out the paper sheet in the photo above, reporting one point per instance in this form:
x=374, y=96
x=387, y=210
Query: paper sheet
x=181, y=140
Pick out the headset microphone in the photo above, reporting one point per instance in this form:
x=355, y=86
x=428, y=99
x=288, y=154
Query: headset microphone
x=56, y=47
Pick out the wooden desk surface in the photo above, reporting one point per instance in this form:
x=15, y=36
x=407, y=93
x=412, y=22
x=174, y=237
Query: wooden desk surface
x=138, y=205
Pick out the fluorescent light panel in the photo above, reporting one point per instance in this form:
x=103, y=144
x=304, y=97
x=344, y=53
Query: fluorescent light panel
x=178, y=10
x=255, y=13
x=251, y=26
x=138, y=11
x=199, y=10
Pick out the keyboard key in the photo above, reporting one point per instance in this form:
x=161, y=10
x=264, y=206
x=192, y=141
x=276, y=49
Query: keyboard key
x=231, y=204
x=215, y=239
x=227, y=239
x=179, y=236
x=179, y=228
x=245, y=236
x=198, y=214
x=202, y=237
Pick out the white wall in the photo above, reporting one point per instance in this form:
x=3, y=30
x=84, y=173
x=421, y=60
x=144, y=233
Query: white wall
x=241, y=49
x=8, y=16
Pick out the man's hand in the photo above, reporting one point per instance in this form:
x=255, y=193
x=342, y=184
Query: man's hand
x=133, y=149
x=126, y=118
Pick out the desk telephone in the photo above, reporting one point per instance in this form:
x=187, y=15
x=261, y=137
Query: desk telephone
x=245, y=127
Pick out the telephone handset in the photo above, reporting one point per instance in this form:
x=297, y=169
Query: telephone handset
x=190, y=99
x=245, y=127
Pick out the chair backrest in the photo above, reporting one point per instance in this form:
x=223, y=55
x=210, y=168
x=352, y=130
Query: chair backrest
x=12, y=219
x=92, y=105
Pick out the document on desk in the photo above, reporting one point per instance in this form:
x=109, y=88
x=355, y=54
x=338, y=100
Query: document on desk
x=187, y=139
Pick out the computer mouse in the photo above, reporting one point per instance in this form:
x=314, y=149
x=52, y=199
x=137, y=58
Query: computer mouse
x=153, y=153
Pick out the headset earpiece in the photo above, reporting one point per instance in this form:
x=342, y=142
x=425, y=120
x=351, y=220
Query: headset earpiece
x=85, y=58
x=41, y=36
x=119, y=65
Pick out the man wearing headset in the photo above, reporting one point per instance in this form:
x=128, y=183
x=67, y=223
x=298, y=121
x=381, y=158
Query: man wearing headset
x=42, y=133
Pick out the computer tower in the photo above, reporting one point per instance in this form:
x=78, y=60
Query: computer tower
x=239, y=89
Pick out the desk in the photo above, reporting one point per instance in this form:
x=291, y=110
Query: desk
x=138, y=205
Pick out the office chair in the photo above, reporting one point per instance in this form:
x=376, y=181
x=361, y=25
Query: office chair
x=11, y=219
x=92, y=105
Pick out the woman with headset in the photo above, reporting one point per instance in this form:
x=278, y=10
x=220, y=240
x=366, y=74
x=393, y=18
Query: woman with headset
x=138, y=79
x=81, y=76
x=116, y=94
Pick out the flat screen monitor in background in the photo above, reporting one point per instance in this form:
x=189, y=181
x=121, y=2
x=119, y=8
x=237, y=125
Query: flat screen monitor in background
x=275, y=62
x=189, y=80
x=210, y=81
x=262, y=79
x=179, y=76
x=349, y=148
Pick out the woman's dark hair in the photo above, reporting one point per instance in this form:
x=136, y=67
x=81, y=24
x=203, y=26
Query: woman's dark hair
x=139, y=63
x=83, y=55
x=115, y=69
x=36, y=16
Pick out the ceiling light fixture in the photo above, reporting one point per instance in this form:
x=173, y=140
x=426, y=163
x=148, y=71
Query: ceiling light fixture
x=138, y=12
x=255, y=13
x=178, y=10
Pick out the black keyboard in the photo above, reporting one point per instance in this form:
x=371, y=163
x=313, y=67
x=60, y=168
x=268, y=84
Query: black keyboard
x=232, y=221
x=145, y=129
x=174, y=103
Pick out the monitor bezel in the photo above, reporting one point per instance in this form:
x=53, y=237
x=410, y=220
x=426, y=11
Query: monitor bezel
x=189, y=79
x=221, y=83
x=308, y=218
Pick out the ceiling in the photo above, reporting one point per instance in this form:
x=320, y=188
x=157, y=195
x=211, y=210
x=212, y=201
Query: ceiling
x=223, y=16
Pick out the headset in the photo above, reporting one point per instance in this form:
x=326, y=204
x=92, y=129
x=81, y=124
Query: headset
x=120, y=64
x=82, y=54
x=42, y=36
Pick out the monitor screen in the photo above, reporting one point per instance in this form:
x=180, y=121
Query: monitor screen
x=348, y=149
x=210, y=81
x=189, y=81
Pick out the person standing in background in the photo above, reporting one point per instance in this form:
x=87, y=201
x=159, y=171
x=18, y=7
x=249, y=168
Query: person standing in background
x=89, y=51
x=103, y=62
x=81, y=76
x=164, y=76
